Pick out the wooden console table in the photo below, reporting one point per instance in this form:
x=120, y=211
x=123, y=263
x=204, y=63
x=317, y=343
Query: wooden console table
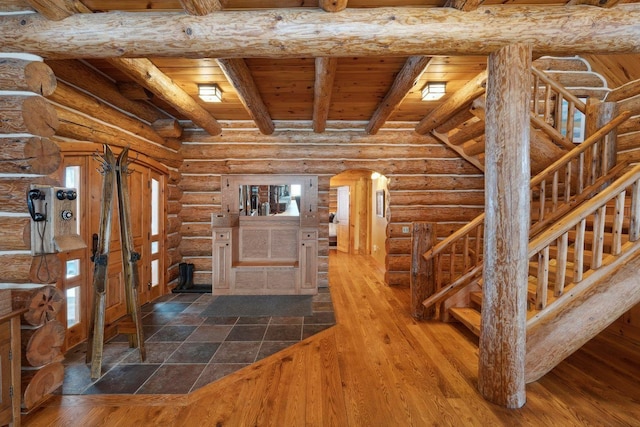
x=265, y=254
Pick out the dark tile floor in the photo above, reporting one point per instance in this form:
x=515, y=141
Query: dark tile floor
x=186, y=350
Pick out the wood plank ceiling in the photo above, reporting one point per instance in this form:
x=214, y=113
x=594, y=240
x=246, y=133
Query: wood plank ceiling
x=286, y=86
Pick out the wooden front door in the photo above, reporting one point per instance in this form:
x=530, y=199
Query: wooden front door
x=342, y=224
x=146, y=185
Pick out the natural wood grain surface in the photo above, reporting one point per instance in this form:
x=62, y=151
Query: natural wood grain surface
x=379, y=367
x=507, y=176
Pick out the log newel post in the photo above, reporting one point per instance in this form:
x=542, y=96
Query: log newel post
x=423, y=238
x=501, y=376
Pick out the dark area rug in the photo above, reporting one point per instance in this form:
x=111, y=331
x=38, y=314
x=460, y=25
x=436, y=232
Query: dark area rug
x=260, y=305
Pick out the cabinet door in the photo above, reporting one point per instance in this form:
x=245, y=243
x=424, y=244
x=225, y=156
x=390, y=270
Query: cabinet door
x=5, y=374
x=308, y=264
x=221, y=264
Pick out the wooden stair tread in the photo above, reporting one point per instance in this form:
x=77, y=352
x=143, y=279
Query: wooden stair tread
x=469, y=317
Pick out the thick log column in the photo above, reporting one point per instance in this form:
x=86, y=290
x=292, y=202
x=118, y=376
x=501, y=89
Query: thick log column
x=423, y=284
x=501, y=377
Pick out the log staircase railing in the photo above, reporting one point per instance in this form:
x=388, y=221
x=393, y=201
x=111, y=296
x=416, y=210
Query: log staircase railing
x=547, y=112
x=593, y=234
x=561, y=186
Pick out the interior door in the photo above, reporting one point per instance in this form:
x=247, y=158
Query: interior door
x=342, y=214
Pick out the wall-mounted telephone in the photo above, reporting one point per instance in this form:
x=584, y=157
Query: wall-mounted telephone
x=33, y=195
x=54, y=227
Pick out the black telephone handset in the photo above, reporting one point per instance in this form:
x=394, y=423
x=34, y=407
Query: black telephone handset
x=32, y=195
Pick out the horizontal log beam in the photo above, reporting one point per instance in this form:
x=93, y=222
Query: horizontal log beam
x=322, y=91
x=625, y=91
x=332, y=5
x=406, y=79
x=27, y=114
x=24, y=268
x=238, y=74
x=265, y=150
x=84, y=77
x=20, y=74
x=148, y=75
x=16, y=233
x=201, y=7
x=82, y=128
x=29, y=155
x=334, y=166
x=305, y=137
x=73, y=98
x=58, y=10
x=294, y=33
x=454, y=104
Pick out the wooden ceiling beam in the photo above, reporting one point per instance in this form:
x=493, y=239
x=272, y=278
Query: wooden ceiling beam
x=240, y=77
x=148, y=75
x=322, y=91
x=406, y=79
x=295, y=33
x=599, y=3
x=81, y=75
x=464, y=5
x=454, y=104
x=333, y=5
x=201, y=7
x=57, y=10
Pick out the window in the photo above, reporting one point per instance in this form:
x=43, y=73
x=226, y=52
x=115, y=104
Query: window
x=73, y=268
x=72, y=180
x=155, y=206
x=73, y=306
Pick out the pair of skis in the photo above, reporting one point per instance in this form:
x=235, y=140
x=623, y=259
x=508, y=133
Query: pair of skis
x=114, y=171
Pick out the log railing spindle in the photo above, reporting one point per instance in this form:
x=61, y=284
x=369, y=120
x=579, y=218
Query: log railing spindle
x=634, y=222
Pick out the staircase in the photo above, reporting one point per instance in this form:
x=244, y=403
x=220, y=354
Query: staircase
x=584, y=238
x=552, y=111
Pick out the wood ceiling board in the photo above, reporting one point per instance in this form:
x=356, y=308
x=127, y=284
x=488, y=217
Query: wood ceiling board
x=616, y=69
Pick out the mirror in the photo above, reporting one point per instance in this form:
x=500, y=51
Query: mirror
x=269, y=200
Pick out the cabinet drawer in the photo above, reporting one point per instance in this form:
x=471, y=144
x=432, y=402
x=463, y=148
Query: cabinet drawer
x=309, y=235
x=222, y=235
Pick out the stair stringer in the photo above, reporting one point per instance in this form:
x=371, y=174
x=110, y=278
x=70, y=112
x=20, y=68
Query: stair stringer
x=582, y=313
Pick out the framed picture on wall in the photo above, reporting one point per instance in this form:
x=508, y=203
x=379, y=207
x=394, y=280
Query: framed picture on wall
x=380, y=203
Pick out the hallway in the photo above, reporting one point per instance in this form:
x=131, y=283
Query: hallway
x=376, y=367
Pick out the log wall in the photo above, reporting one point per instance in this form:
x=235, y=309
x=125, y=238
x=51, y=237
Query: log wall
x=27, y=156
x=427, y=182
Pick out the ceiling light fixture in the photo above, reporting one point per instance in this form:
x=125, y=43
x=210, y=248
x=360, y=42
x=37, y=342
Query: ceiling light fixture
x=433, y=91
x=210, y=93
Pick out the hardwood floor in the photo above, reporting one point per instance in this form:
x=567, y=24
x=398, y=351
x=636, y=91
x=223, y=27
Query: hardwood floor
x=376, y=367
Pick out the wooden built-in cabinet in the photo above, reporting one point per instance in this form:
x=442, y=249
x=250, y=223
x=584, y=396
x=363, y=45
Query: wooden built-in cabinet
x=10, y=368
x=262, y=244
x=308, y=259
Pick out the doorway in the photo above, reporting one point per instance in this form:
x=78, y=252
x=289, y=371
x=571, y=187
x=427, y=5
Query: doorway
x=147, y=197
x=358, y=202
x=341, y=220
